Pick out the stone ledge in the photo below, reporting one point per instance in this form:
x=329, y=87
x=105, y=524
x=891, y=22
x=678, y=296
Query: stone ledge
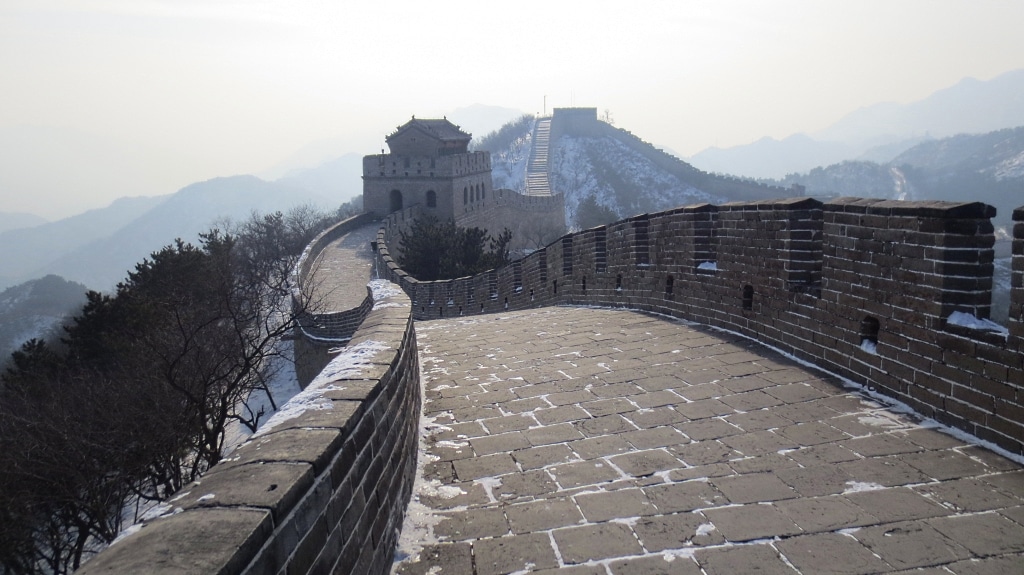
x=214, y=541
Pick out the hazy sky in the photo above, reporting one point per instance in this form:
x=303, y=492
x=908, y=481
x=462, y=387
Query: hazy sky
x=146, y=96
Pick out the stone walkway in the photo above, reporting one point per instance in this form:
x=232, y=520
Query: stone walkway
x=342, y=270
x=600, y=442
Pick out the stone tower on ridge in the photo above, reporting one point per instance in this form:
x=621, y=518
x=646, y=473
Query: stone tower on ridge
x=430, y=165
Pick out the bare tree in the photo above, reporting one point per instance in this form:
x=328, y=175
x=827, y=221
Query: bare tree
x=133, y=403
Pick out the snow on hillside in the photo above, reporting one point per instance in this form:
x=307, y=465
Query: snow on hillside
x=1010, y=168
x=617, y=176
x=508, y=165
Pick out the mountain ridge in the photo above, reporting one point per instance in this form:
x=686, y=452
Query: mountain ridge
x=98, y=247
x=969, y=106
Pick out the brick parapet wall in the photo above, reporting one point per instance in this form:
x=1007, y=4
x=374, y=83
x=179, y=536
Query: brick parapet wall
x=780, y=241
x=335, y=326
x=529, y=218
x=1016, y=322
x=815, y=280
x=323, y=492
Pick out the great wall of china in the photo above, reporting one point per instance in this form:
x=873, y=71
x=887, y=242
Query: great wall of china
x=326, y=491
x=814, y=280
x=889, y=295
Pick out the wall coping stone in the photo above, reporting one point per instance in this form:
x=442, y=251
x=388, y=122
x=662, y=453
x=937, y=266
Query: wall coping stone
x=804, y=203
x=930, y=209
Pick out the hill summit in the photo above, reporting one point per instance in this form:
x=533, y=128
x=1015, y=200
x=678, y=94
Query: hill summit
x=607, y=173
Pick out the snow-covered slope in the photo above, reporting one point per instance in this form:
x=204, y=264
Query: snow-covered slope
x=615, y=173
x=617, y=176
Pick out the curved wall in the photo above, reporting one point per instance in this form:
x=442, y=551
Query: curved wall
x=322, y=331
x=864, y=288
x=322, y=488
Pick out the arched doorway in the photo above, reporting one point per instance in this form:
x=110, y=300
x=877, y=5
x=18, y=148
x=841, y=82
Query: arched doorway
x=396, y=201
x=431, y=199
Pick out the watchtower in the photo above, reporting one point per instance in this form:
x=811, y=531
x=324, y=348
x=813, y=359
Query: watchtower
x=430, y=165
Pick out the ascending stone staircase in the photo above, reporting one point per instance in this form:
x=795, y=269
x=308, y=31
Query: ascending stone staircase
x=537, y=168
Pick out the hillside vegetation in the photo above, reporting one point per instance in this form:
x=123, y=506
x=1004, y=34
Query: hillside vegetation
x=32, y=309
x=133, y=401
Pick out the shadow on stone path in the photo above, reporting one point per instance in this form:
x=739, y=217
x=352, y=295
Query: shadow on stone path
x=601, y=442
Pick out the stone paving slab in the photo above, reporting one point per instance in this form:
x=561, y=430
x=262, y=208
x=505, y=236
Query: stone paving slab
x=342, y=270
x=600, y=442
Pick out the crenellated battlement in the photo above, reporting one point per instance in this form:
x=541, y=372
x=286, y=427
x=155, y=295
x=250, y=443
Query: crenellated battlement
x=894, y=295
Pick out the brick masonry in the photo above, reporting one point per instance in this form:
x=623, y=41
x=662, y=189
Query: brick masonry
x=323, y=492
x=814, y=280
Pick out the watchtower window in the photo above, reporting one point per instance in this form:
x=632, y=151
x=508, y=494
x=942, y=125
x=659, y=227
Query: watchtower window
x=465, y=196
x=431, y=199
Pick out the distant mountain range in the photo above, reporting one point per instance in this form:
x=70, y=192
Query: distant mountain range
x=98, y=248
x=17, y=220
x=616, y=174
x=982, y=167
x=880, y=132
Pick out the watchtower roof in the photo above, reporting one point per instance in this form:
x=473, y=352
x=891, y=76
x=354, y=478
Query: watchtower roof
x=442, y=130
x=428, y=138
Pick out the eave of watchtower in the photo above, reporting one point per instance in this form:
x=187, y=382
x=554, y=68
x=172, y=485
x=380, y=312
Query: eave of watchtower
x=436, y=137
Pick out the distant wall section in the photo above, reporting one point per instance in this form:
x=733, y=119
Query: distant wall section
x=535, y=221
x=583, y=122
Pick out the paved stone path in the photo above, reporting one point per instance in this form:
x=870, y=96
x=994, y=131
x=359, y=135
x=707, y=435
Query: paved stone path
x=342, y=270
x=537, y=168
x=602, y=442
